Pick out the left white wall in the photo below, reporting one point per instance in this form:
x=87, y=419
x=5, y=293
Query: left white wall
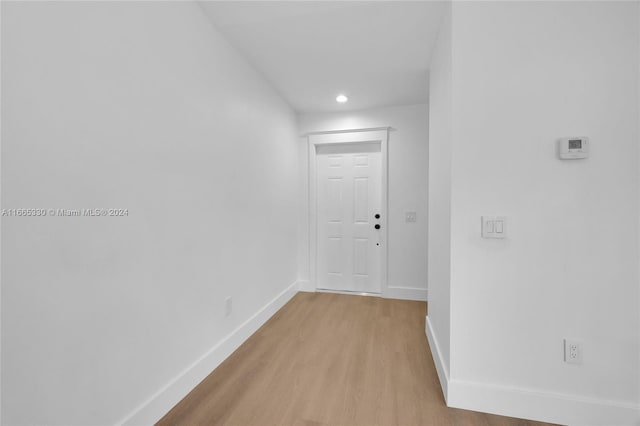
x=142, y=106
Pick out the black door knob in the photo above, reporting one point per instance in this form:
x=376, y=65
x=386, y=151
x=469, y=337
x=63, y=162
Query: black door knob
x=377, y=216
x=377, y=226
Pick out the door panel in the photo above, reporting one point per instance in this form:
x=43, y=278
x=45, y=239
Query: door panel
x=361, y=199
x=334, y=203
x=348, y=197
x=360, y=255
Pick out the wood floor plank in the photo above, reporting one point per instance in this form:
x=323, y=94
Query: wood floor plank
x=330, y=359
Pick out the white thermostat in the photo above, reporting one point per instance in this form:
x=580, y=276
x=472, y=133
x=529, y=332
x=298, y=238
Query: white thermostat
x=573, y=148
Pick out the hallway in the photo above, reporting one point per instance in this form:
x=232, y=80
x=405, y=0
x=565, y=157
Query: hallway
x=330, y=359
x=180, y=177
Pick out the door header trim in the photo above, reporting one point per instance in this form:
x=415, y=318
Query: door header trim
x=329, y=132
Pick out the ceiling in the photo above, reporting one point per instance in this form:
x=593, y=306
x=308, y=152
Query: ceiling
x=375, y=52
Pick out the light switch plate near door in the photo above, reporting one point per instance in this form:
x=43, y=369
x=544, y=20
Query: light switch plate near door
x=494, y=227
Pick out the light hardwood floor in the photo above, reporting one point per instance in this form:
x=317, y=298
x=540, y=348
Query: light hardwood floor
x=330, y=359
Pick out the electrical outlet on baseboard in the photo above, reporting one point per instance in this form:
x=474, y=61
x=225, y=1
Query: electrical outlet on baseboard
x=572, y=351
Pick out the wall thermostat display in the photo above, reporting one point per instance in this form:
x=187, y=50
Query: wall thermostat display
x=573, y=148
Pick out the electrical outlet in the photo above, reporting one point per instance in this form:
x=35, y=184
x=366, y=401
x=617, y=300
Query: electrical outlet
x=572, y=351
x=228, y=306
x=410, y=217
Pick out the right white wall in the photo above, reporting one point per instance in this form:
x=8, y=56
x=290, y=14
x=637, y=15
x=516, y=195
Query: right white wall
x=525, y=74
x=439, y=193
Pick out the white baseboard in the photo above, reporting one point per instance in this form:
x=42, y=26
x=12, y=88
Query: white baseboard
x=406, y=293
x=529, y=403
x=305, y=285
x=169, y=395
x=402, y=293
x=542, y=406
x=441, y=369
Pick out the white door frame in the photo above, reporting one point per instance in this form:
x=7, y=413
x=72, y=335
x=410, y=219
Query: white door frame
x=370, y=135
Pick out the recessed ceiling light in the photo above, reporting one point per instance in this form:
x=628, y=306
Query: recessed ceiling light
x=341, y=99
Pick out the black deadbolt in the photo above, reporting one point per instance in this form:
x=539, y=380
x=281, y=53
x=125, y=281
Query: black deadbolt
x=377, y=226
x=377, y=216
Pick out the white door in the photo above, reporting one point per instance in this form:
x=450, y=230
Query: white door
x=349, y=183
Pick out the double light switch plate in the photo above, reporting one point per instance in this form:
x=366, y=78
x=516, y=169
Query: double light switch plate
x=494, y=227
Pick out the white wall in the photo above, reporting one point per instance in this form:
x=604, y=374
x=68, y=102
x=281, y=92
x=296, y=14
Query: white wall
x=638, y=123
x=439, y=229
x=142, y=106
x=407, y=271
x=526, y=74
